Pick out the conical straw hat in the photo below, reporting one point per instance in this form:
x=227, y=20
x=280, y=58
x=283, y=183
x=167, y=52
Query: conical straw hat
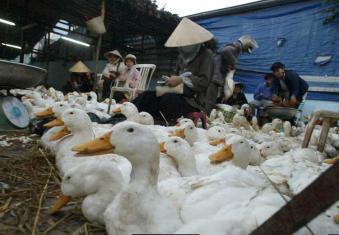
x=188, y=33
x=79, y=67
x=115, y=52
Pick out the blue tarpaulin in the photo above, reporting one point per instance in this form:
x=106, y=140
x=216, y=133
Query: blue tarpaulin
x=297, y=26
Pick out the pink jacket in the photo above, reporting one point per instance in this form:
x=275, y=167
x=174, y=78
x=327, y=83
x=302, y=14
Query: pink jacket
x=131, y=76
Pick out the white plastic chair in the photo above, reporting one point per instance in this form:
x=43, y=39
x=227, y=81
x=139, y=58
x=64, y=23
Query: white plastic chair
x=146, y=73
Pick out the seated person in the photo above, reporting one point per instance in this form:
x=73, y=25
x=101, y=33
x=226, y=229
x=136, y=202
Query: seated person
x=287, y=87
x=238, y=97
x=130, y=77
x=86, y=83
x=193, y=73
x=112, y=71
x=262, y=94
x=72, y=84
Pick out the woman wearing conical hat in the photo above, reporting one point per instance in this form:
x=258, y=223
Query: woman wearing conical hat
x=184, y=92
x=112, y=71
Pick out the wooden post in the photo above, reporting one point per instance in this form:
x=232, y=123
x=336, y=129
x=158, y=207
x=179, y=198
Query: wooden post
x=309, y=130
x=97, y=53
x=323, y=134
x=305, y=206
x=47, y=54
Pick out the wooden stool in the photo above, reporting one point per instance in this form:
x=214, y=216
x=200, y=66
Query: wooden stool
x=328, y=119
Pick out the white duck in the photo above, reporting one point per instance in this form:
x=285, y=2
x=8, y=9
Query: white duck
x=181, y=152
x=296, y=169
x=130, y=211
x=270, y=149
x=130, y=111
x=239, y=119
x=199, y=197
x=256, y=158
x=274, y=126
x=183, y=121
x=189, y=132
x=235, y=144
x=216, y=133
x=99, y=183
x=79, y=125
x=56, y=125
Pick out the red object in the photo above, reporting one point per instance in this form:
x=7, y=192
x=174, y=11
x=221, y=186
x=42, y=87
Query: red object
x=123, y=101
x=195, y=117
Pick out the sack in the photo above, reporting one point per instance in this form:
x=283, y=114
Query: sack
x=229, y=84
x=96, y=26
x=161, y=90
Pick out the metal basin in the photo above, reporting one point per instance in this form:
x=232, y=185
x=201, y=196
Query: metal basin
x=16, y=75
x=283, y=113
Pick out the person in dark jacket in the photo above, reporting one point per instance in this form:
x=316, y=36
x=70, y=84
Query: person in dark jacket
x=288, y=87
x=238, y=97
x=225, y=62
x=184, y=92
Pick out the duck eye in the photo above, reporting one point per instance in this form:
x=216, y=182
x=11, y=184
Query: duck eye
x=71, y=113
x=191, y=128
x=241, y=142
x=268, y=147
x=68, y=177
x=219, y=131
x=252, y=147
x=130, y=130
x=175, y=141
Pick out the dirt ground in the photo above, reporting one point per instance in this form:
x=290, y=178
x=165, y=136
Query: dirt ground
x=29, y=184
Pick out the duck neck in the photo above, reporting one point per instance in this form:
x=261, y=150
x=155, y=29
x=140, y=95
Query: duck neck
x=242, y=161
x=145, y=172
x=132, y=115
x=80, y=135
x=192, y=137
x=186, y=165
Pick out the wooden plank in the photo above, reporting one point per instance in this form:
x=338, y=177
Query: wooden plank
x=305, y=206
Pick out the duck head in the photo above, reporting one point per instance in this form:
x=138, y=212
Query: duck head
x=216, y=135
x=85, y=179
x=236, y=149
x=255, y=159
x=128, y=109
x=277, y=124
x=176, y=147
x=145, y=118
x=184, y=121
x=246, y=109
x=56, y=109
x=269, y=148
x=187, y=131
x=74, y=120
x=180, y=150
x=129, y=139
x=287, y=128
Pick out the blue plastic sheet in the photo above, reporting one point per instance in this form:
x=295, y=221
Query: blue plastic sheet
x=300, y=28
x=301, y=24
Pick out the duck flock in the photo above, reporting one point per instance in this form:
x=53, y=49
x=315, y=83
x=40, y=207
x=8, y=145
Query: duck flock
x=137, y=177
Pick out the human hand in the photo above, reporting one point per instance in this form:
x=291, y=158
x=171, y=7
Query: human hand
x=276, y=99
x=173, y=81
x=293, y=100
